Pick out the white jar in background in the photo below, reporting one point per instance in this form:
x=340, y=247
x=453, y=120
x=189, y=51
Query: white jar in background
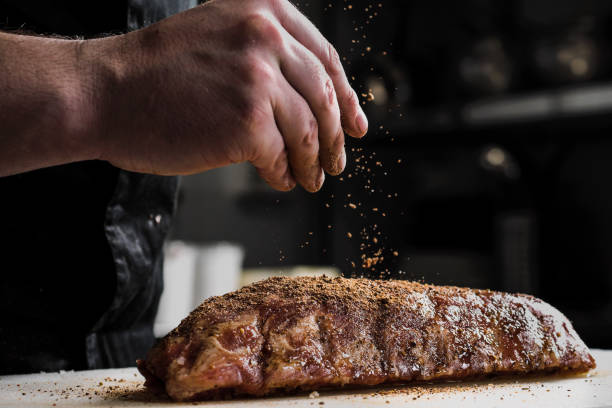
x=177, y=298
x=218, y=270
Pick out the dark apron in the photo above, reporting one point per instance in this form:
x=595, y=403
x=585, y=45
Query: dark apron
x=81, y=244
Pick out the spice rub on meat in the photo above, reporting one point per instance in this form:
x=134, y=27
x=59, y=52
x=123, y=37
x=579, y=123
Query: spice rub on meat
x=309, y=333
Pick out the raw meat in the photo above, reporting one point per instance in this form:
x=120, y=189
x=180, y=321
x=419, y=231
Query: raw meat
x=286, y=334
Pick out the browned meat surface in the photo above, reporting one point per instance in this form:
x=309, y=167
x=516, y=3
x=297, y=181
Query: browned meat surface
x=309, y=333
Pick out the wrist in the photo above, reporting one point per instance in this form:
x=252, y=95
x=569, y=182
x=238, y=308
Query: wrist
x=84, y=119
x=52, y=114
x=98, y=101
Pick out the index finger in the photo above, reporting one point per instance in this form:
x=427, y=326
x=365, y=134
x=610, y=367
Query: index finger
x=354, y=121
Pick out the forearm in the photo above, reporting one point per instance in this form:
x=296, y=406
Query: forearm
x=47, y=104
x=226, y=82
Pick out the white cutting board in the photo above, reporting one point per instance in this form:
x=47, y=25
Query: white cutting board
x=123, y=388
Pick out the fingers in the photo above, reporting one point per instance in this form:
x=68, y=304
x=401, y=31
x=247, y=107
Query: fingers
x=354, y=120
x=301, y=134
x=271, y=160
x=308, y=77
x=312, y=101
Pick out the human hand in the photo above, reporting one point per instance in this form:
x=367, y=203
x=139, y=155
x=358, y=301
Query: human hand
x=226, y=82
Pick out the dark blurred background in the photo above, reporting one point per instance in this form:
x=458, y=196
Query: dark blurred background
x=487, y=163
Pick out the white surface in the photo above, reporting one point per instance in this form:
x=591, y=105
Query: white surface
x=123, y=388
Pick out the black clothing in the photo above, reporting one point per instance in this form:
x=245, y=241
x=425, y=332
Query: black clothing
x=81, y=244
x=82, y=250
x=86, y=18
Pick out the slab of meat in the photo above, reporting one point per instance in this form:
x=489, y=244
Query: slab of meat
x=310, y=333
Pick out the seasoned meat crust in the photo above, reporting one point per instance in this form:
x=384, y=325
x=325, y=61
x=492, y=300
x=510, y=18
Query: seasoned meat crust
x=309, y=333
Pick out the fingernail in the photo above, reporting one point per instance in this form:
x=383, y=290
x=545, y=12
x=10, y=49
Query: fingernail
x=319, y=183
x=290, y=181
x=341, y=163
x=362, y=123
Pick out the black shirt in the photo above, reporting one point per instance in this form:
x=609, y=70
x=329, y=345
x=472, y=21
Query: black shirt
x=81, y=244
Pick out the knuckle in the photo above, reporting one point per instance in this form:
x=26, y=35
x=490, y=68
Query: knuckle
x=273, y=163
x=260, y=29
x=271, y=3
x=310, y=135
x=328, y=98
x=267, y=149
x=337, y=142
x=257, y=72
x=334, y=66
x=351, y=98
x=274, y=154
x=279, y=162
x=253, y=115
x=277, y=6
x=350, y=104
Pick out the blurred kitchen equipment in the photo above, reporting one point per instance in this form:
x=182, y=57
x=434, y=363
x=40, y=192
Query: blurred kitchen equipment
x=497, y=160
x=486, y=68
x=572, y=55
x=177, y=298
x=217, y=270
